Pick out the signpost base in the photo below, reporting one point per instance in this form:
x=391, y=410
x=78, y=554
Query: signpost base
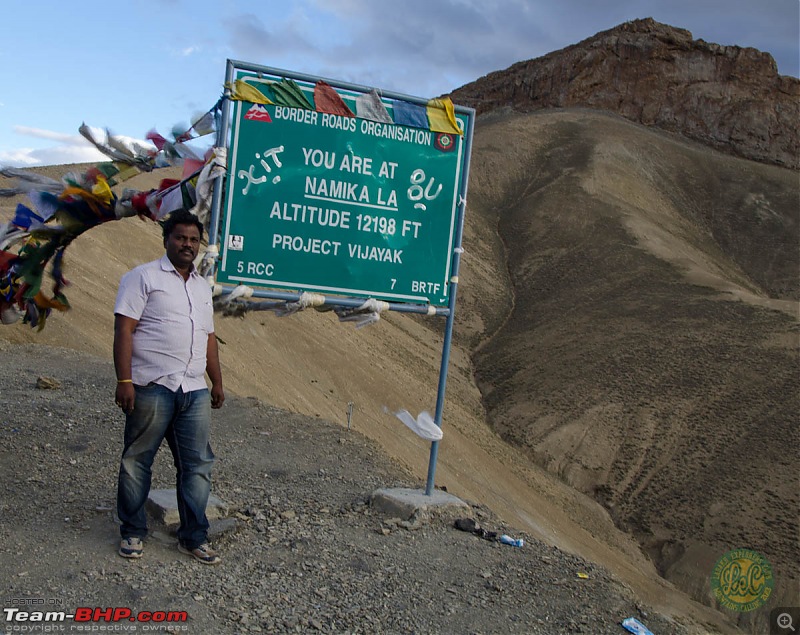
x=406, y=503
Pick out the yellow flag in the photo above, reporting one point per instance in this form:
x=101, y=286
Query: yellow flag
x=102, y=191
x=442, y=116
x=43, y=302
x=125, y=172
x=243, y=91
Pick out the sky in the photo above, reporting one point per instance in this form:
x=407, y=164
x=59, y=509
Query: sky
x=140, y=65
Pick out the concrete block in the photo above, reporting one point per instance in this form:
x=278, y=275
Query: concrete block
x=405, y=503
x=162, y=507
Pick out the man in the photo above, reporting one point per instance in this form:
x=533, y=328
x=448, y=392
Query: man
x=164, y=342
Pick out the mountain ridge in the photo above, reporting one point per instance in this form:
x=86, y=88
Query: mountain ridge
x=728, y=97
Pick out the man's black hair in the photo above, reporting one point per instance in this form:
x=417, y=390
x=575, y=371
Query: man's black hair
x=181, y=217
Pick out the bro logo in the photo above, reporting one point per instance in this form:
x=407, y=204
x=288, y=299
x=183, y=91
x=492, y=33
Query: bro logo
x=742, y=580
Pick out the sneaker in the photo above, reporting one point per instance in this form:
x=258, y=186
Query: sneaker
x=204, y=553
x=131, y=547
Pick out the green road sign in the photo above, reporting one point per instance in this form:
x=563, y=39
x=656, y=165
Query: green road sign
x=339, y=205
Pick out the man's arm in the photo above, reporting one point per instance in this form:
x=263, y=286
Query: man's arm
x=214, y=372
x=123, y=352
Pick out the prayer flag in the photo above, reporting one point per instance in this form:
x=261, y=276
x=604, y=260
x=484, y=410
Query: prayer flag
x=125, y=172
x=107, y=169
x=408, y=114
x=370, y=106
x=24, y=215
x=157, y=139
x=171, y=197
x=102, y=191
x=287, y=93
x=206, y=124
x=243, y=91
x=328, y=100
x=442, y=116
x=191, y=166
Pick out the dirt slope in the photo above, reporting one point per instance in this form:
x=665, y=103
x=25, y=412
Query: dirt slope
x=649, y=353
x=308, y=555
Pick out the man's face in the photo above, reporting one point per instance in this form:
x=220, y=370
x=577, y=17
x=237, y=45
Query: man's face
x=182, y=245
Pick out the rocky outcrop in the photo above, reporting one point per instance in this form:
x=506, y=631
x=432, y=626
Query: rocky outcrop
x=728, y=97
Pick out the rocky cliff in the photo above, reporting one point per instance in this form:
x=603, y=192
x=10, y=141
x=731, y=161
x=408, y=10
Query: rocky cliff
x=728, y=97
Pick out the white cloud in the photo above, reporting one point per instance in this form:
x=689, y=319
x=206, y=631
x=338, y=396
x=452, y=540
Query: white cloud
x=18, y=158
x=69, y=149
x=40, y=133
x=58, y=155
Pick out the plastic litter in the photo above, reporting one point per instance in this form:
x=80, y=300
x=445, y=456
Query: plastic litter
x=582, y=575
x=469, y=525
x=514, y=542
x=634, y=626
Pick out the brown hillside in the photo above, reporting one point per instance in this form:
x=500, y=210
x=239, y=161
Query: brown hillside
x=646, y=349
x=728, y=97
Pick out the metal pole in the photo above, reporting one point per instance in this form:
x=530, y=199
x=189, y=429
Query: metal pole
x=223, y=126
x=313, y=79
x=448, y=332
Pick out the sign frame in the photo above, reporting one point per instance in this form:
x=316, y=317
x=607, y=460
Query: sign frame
x=453, y=257
x=341, y=238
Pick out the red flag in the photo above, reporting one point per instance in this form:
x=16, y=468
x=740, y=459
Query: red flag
x=157, y=139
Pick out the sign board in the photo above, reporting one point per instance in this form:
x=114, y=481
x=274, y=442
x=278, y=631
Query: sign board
x=340, y=205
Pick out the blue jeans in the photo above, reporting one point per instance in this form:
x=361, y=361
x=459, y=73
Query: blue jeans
x=183, y=420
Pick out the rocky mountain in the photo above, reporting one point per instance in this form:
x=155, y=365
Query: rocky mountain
x=728, y=97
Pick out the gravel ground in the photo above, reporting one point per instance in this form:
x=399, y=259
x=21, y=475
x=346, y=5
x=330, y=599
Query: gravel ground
x=307, y=554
